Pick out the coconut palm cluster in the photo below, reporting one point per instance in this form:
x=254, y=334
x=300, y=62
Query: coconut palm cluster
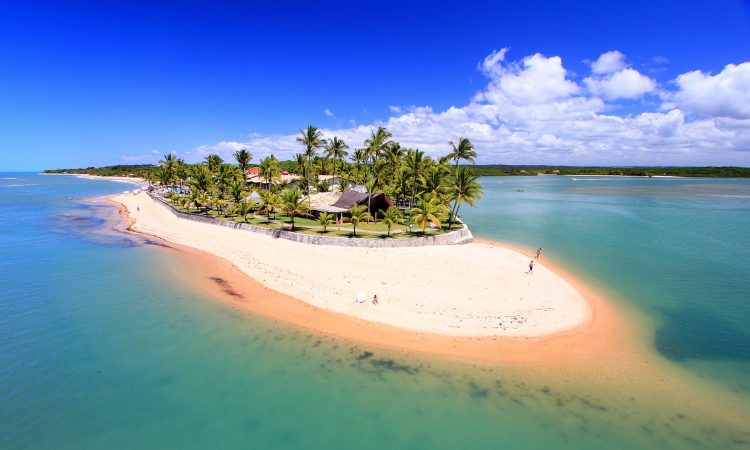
x=425, y=192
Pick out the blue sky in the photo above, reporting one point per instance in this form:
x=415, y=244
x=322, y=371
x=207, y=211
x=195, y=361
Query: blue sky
x=90, y=84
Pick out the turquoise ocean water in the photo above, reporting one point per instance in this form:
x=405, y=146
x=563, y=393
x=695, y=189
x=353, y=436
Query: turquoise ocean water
x=99, y=350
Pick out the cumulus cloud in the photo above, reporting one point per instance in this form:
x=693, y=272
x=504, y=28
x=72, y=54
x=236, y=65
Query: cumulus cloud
x=608, y=62
x=536, y=79
x=625, y=84
x=534, y=111
x=726, y=94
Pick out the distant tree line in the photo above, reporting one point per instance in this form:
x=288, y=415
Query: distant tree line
x=709, y=172
x=147, y=170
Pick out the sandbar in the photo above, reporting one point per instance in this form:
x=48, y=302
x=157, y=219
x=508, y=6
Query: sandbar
x=473, y=290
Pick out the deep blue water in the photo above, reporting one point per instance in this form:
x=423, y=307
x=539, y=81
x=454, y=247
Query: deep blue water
x=100, y=349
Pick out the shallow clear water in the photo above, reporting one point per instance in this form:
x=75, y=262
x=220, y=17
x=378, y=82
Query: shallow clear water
x=677, y=249
x=99, y=350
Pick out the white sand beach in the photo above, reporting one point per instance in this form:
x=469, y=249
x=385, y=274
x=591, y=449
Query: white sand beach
x=476, y=289
x=132, y=180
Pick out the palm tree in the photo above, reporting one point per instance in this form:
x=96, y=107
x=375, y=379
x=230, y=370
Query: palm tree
x=375, y=146
x=343, y=183
x=415, y=164
x=169, y=167
x=186, y=201
x=428, y=211
x=243, y=158
x=464, y=150
x=246, y=208
x=359, y=156
x=202, y=200
x=359, y=214
x=391, y=216
x=465, y=189
x=293, y=204
x=436, y=180
x=214, y=162
x=235, y=191
x=325, y=220
x=202, y=179
x=336, y=149
x=269, y=169
x=312, y=139
x=194, y=194
x=270, y=202
x=323, y=186
x=299, y=162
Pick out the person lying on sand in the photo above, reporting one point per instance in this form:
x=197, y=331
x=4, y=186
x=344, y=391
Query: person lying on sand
x=375, y=300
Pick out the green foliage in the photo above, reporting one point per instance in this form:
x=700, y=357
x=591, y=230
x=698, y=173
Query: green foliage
x=325, y=219
x=243, y=158
x=428, y=209
x=271, y=202
x=246, y=208
x=359, y=214
x=391, y=217
x=465, y=189
x=293, y=204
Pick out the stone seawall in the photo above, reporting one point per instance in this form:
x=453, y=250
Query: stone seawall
x=461, y=236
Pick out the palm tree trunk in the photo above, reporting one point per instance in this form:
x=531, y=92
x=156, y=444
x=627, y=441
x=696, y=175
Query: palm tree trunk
x=453, y=214
x=458, y=205
x=307, y=176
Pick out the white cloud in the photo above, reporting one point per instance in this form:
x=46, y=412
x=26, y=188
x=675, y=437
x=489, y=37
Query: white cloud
x=395, y=109
x=328, y=112
x=536, y=79
x=726, y=94
x=608, y=62
x=625, y=84
x=660, y=59
x=533, y=111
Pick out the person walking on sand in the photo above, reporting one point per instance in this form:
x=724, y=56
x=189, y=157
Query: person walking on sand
x=538, y=252
x=531, y=267
x=375, y=300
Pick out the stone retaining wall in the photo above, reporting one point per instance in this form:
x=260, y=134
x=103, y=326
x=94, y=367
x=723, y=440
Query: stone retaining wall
x=461, y=236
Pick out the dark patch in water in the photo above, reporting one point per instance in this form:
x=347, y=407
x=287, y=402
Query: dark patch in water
x=226, y=287
x=593, y=405
x=696, y=333
x=389, y=364
x=364, y=355
x=476, y=391
x=155, y=243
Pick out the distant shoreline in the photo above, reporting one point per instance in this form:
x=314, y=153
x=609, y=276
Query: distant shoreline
x=123, y=179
